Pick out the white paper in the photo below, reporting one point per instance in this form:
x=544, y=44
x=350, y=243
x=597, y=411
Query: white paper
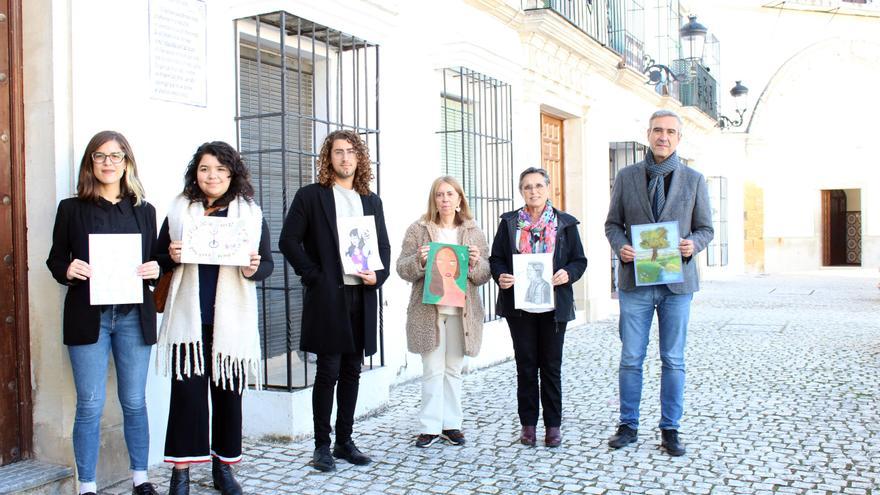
x=179, y=51
x=215, y=241
x=114, y=259
x=358, y=244
x=532, y=281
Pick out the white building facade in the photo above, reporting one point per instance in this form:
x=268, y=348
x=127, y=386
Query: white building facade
x=803, y=157
x=479, y=89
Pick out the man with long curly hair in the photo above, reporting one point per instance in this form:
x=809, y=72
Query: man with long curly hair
x=339, y=310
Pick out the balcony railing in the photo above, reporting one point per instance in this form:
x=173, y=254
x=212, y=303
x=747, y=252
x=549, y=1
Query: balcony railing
x=590, y=16
x=614, y=23
x=697, y=88
x=626, y=30
x=833, y=4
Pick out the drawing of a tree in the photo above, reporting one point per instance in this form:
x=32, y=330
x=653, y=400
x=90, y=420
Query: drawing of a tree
x=655, y=240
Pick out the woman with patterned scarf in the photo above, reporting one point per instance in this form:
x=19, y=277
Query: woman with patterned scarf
x=538, y=335
x=209, y=336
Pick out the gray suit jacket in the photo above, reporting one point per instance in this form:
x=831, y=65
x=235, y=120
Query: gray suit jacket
x=687, y=202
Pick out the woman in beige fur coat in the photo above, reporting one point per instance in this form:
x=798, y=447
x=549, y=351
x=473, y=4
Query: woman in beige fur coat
x=443, y=335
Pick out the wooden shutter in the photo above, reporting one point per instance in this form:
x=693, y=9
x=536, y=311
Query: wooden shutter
x=261, y=142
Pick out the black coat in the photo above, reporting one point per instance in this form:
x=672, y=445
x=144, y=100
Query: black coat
x=310, y=244
x=568, y=254
x=70, y=239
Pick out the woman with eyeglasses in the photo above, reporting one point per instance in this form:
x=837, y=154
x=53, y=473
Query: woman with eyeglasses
x=538, y=334
x=209, y=338
x=446, y=332
x=109, y=200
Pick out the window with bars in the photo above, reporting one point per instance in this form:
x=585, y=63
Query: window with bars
x=297, y=82
x=476, y=148
x=716, y=252
x=621, y=154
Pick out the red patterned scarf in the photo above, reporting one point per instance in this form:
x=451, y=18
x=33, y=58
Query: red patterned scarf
x=538, y=237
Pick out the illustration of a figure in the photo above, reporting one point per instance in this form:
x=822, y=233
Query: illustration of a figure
x=444, y=273
x=358, y=251
x=539, y=289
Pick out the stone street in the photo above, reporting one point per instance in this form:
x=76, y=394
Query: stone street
x=782, y=397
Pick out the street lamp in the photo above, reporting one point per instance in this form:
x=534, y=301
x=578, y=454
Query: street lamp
x=694, y=34
x=740, y=95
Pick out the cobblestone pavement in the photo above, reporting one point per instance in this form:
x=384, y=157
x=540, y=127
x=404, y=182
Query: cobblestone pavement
x=782, y=397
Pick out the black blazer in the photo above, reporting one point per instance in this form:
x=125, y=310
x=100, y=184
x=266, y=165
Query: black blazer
x=310, y=244
x=568, y=254
x=70, y=239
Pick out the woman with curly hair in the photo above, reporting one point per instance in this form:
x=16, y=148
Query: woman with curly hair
x=339, y=310
x=209, y=335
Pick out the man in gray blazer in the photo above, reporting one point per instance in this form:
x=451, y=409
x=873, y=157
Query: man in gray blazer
x=658, y=189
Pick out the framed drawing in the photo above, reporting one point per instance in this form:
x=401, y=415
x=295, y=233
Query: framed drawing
x=216, y=241
x=658, y=260
x=446, y=275
x=532, y=286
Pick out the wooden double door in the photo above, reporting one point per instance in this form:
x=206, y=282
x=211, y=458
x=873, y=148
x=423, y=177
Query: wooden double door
x=553, y=156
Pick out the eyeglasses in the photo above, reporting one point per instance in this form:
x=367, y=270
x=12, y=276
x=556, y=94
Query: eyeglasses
x=536, y=187
x=115, y=158
x=341, y=153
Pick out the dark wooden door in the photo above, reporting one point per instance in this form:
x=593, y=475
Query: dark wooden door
x=833, y=227
x=15, y=402
x=553, y=158
x=837, y=225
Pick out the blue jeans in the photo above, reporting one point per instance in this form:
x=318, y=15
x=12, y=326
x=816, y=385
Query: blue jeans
x=636, y=314
x=122, y=335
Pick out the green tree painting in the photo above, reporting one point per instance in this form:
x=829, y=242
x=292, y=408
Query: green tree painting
x=654, y=240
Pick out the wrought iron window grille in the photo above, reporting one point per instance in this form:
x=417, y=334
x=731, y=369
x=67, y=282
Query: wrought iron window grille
x=297, y=82
x=476, y=147
x=717, y=251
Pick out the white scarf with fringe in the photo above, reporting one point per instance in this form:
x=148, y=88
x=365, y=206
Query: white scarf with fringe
x=236, y=347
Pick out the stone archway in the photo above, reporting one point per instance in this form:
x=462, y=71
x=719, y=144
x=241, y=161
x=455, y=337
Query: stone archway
x=813, y=130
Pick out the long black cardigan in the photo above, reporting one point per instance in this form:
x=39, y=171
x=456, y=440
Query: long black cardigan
x=70, y=239
x=310, y=244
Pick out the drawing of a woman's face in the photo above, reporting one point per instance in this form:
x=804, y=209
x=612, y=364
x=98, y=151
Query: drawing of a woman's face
x=447, y=262
x=353, y=237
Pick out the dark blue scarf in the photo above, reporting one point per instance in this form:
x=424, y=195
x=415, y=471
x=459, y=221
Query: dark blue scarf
x=657, y=172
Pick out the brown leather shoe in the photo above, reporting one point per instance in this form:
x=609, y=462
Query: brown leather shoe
x=553, y=437
x=527, y=436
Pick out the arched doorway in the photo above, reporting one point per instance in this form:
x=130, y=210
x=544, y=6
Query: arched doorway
x=810, y=151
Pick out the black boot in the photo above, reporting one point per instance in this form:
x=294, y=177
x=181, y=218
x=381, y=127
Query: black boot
x=672, y=443
x=223, y=478
x=179, y=484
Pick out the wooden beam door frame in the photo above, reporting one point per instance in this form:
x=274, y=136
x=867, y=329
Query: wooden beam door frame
x=826, y=227
x=12, y=195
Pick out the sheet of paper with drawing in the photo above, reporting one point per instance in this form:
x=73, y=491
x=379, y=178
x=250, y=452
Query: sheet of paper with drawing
x=114, y=259
x=446, y=273
x=658, y=260
x=532, y=281
x=358, y=244
x=216, y=241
